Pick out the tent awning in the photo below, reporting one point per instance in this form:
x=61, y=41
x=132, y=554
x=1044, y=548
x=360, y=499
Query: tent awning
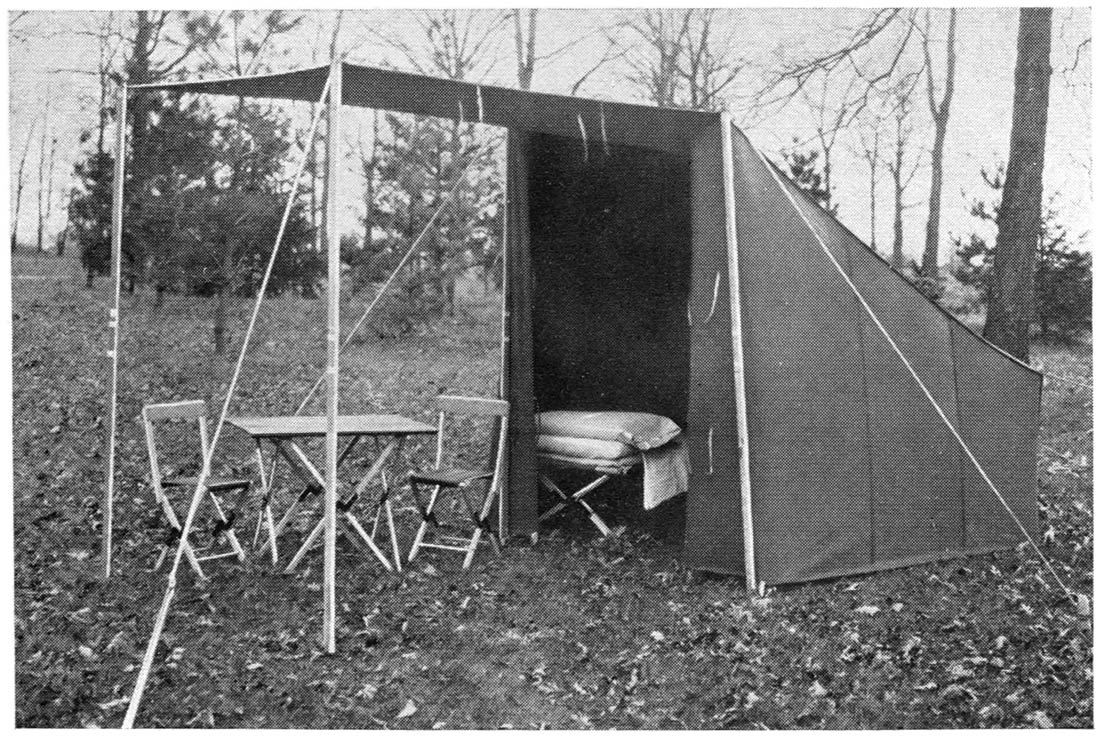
x=595, y=121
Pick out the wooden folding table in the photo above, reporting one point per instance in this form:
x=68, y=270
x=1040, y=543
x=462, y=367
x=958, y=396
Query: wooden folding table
x=285, y=434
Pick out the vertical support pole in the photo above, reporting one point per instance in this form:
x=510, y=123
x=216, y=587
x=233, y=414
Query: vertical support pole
x=504, y=338
x=738, y=351
x=333, y=337
x=113, y=323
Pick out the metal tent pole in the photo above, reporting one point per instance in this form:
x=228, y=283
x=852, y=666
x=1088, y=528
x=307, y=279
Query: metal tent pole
x=333, y=348
x=746, y=512
x=113, y=323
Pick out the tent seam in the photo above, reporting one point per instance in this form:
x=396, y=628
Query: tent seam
x=866, y=405
x=958, y=421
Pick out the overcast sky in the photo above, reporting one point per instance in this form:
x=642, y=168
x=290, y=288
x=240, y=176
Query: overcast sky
x=48, y=56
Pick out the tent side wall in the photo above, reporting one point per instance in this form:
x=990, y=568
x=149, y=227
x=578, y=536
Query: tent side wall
x=714, y=532
x=853, y=471
x=992, y=398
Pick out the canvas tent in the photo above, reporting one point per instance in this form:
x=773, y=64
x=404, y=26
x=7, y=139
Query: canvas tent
x=655, y=262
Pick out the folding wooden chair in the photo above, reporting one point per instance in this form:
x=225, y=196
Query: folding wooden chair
x=445, y=478
x=223, y=525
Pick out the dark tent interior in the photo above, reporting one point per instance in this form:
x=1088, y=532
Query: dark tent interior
x=610, y=249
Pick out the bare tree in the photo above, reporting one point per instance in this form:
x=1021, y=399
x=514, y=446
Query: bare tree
x=940, y=112
x=248, y=44
x=901, y=170
x=1011, y=293
x=457, y=44
x=48, y=192
x=675, y=58
x=43, y=194
x=832, y=111
x=19, y=186
x=875, y=53
x=870, y=150
x=369, y=160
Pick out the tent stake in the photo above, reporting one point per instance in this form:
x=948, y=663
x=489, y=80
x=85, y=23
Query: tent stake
x=113, y=324
x=738, y=352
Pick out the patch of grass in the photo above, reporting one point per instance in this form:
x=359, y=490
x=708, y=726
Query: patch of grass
x=570, y=632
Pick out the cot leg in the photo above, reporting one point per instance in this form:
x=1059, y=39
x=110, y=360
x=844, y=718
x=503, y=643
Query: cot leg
x=577, y=499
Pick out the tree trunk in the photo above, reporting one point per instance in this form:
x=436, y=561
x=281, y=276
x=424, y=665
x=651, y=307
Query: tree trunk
x=226, y=284
x=898, y=224
x=897, y=169
x=220, y=321
x=50, y=181
x=525, y=45
x=19, y=190
x=138, y=71
x=941, y=114
x=930, y=264
x=41, y=172
x=873, y=201
x=1012, y=288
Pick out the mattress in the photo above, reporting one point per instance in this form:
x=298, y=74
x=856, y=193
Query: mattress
x=604, y=466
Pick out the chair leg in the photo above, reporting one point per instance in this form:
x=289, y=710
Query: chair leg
x=470, y=555
x=427, y=516
x=479, y=520
x=228, y=531
x=485, y=514
x=189, y=554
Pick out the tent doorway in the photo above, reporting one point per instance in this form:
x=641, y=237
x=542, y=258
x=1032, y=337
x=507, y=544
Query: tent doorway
x=610, y=243
x=610, y=249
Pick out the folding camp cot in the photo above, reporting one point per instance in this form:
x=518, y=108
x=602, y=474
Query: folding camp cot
x=607, y=443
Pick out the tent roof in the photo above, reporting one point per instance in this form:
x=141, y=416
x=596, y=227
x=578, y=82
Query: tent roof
x=370, y=87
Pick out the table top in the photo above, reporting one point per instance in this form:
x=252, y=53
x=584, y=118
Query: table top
x=299, y=426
